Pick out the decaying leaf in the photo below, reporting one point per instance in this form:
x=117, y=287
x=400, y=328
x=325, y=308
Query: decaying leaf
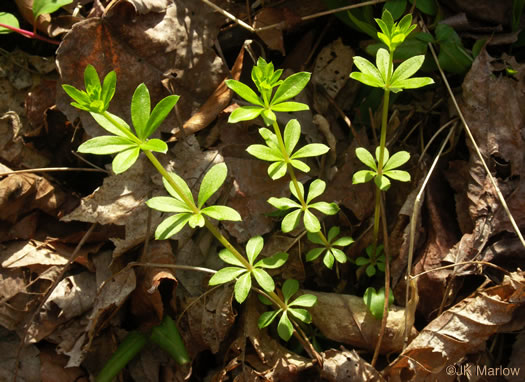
x=462, y=329
x=344, y=365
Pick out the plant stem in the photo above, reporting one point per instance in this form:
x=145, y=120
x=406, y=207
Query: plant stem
x=123, y=129
x=29, y=34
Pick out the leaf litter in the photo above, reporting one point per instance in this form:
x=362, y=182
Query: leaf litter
x=171, y=45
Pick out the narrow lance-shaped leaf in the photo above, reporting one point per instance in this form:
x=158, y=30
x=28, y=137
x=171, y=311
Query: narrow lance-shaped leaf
x=140, y=109
x=244, y=92
x=125, y=159
x=211, y=182
x=106, y=144
x=159, y=114
x=290, y=87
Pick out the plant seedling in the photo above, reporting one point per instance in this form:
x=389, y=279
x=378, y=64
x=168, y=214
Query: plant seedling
x=244, y=273
x=331, y=253
x=372, y=262
x=375, y=301
x=285, y=326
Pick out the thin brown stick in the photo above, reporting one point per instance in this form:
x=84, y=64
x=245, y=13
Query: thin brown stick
x=50, y=169
x=476, y=147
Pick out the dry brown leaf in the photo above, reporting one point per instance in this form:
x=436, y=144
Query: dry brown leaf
x=209, y=321
x=461, y=330
x=344, y=365
x=346, y=319
x=215, y=103
x=29, y=367
x=52, y=367
x=146, y=299
x=173, y=46
x=333, y=66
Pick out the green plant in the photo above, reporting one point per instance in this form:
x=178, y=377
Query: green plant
x=9, y=23
x=382, y=75
x=331, y=253
x=279, y=148
x=372, y=261
x=375, y=301
x=128, y=143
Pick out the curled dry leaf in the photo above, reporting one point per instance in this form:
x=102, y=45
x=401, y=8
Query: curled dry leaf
x=462, y=329
x=345, y=365
x=146, y=300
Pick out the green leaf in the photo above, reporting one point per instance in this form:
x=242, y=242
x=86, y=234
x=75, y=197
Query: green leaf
x=325, y=208
x=382, y=182
x=314, y=253
x=283, y=204
x=290, y=87
x=363, y=176
x=290, y=221
x=315, y=238
x=367, y=79
x=343, y=241
x=106, y=144
x=292, y=133
x=366, y=158
x=91, y=80
x=254, y=247
x=222, y=213
x=156, y=145
x=242, y=287
x=363, y=26
x=125, y=159
x=412, y=83
x=267, y=318
x=301, y=314
x=294, y=191
x=268, y=117
x=289, y=288
x=140, y=110
x=244, y=92
x=311, y=150
x=168, y=204
x=159, y=113
x=328, y=260
x=396, y=160
x=332, y=233
x=107, y=125
x=301, y=166
x=452, y=56
x=211, y=182
x=264, y=300
x=264, y=279
x=396, y=7
x=370, y=270
x=375, y=301
x=386, y=154
x=43, y=7
x=11, y=20
x=290, y=107
x=229, y=258
x=108, y=88
x=78, y=95
x=428, y=7
x=339, y=255
x=383, y=64
x=360, y=261
x=225, y=275
x=273, y=262
x=307, y=300
x=366, y=67
x=399, y=175
x=171, y=226
x=196, y=220
x=317, y=188
x=181, y=183
x=285, y=327
x=407, y=68
x=277, y=170
x=245, y=113
x=265, y=153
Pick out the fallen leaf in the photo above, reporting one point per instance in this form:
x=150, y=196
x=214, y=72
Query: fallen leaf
x=29, y=367
x=460, y=330
x=346, y=319
x=344, y=365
